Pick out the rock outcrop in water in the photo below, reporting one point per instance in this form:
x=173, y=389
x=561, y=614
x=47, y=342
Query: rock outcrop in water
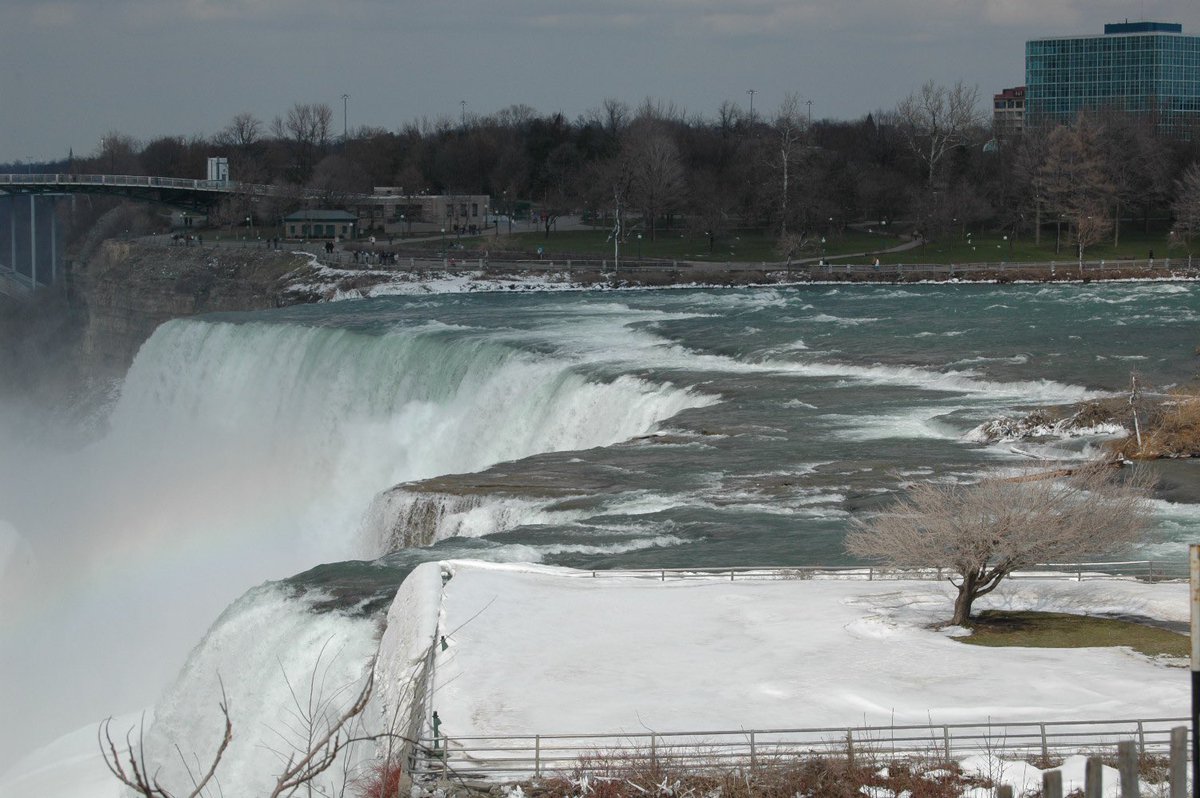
x=1099, y=417
x=419, y=514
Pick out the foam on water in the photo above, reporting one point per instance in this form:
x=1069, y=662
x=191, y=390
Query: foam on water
x=615, y=337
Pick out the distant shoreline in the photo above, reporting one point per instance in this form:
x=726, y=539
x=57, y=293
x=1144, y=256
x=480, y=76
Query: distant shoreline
x=329, y=281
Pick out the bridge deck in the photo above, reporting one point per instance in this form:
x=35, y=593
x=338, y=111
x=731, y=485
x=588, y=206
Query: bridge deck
x=175, y=191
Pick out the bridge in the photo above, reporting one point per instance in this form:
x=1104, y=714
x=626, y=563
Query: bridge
x=177, y=192
x=30, y=241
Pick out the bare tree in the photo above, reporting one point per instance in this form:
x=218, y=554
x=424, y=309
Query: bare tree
x=336, y=178
x=985, y=531
x=243, y=131
x=324, y=727
x=1186, y=207
x=118, y=154
x=790, y=125
x=936, y=119
x=1073, y=181
x=307, y=127
x=656, y=172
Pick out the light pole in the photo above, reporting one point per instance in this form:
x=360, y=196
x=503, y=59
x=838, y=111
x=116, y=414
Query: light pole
x=463, y=103
x=639, y=247
x=752, y=92
x=345, y=127
x=250, y=224
x=443, y=241
x=1194, y=582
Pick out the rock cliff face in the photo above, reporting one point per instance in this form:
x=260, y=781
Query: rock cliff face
x=126, y=289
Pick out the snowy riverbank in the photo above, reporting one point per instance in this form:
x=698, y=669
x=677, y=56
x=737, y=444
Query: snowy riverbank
x=534, y=649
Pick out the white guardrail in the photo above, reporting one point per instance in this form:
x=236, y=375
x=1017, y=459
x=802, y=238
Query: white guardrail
x=515, y=757
x=1148, y=570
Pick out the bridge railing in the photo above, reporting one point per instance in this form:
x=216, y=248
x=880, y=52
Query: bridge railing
x=137, y=181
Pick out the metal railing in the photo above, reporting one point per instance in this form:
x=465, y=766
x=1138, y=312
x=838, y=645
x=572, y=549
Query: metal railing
x=1066, y=268
x=139, y=181
x=1147, y=570
x=515, y=757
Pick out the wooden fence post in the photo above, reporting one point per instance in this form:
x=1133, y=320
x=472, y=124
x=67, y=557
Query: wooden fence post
x=537, y=756
x=1179, y=762
x=1052, y=784
x=850, y=748
x=1127, y=763
x=753, y=759
x=1093, y=778
x=1045, y=748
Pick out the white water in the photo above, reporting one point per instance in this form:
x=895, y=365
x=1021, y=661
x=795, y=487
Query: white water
x=280, y=664
x=239, y=453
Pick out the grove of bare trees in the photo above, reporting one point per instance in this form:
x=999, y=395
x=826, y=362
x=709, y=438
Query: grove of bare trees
x=930, y=164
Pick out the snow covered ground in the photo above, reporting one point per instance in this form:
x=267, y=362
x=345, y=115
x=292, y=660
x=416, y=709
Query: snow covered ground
x=542, y=650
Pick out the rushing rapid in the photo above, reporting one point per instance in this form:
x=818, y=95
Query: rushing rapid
x=654, y=428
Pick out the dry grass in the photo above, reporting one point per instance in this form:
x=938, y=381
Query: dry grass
x=1059, y=630
x=818, y=776
x=1172, y=430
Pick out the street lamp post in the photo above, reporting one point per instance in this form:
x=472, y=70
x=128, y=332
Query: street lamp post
x=345, y=127
x=752, y=92
x=639, y=247
x=443, y=241
x=1194, y=583
x=250, y=224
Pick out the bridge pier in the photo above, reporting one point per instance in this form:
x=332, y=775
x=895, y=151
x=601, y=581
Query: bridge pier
x=32, y=231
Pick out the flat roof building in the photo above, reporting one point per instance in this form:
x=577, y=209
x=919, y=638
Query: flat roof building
x=320, y=224
x=1146, y=68
x=1008, y=113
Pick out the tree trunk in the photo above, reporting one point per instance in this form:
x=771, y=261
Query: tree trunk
x=962, y=602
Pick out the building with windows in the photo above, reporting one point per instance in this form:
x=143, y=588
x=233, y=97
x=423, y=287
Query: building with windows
x=320, y=224
x=1146, y=68
x=1008, y=113
x=390, y=210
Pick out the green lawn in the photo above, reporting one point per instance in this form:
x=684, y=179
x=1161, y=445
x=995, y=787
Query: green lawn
x=992, y=248
x=1056, y=630
x=743, y=246
x=752, y=246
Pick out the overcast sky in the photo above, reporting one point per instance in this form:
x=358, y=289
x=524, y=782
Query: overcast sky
x=75, y=69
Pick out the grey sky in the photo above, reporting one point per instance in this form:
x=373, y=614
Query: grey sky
x=75, y=69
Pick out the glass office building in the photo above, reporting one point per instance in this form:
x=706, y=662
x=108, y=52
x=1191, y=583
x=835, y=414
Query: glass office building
x=1145, y=68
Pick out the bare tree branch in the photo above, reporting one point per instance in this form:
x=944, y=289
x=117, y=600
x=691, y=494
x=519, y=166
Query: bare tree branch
x=983, y=532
